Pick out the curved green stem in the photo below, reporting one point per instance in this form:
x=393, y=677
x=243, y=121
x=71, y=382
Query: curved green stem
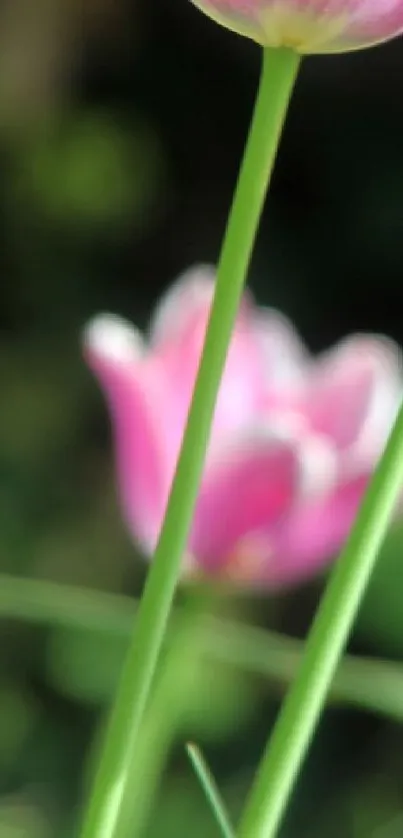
x=302, y=707
x=370, y=683
x=68, y=606
x=110, y=787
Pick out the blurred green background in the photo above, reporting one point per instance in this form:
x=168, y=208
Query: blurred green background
x=121, y=128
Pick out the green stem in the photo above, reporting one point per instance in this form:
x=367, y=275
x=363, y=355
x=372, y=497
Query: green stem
x=165, y=717
x=301, y=709
x=211, y=790
x=67, y=606
x=102, y=817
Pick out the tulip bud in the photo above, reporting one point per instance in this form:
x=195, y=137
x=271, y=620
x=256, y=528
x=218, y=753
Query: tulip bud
x=294, y=441
x=309, y=26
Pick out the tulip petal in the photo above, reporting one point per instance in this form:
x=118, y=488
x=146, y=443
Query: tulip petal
x=250, y=487
x=354, y=393
x=234, y=15
x=186, y=301
x=371, y=23
x=286, y=361
x=313, y=533
x=177, y=336
x=113, y=351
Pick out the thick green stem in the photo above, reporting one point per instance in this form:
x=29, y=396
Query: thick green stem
x=110, y=787
x=173, y=692
x=302, y=707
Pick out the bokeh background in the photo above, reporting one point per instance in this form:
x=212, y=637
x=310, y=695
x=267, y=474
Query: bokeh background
x=121, y=128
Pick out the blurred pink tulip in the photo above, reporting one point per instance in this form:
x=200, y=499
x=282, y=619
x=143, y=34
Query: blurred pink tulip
x=310, y=26
x=294, y=440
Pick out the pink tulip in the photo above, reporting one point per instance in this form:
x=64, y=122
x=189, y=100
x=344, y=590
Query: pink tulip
x=294, y=440
x=310, y=26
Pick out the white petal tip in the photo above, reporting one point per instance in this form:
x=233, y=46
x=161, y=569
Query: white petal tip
x=318, y=459
x=111, y=337
x=191, y=292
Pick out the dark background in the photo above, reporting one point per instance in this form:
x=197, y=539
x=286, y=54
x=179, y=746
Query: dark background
x=121, y=130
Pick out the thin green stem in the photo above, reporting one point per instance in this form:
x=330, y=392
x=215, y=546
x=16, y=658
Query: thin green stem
x=102, y=816
x=301, y=709
x=370, y=683
x=210, y=789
